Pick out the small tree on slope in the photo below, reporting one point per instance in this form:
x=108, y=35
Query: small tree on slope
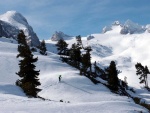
x=29, y=77
x=79, y=41
x=61, y=46
x=86, y=61
x=43, y=48
x=112, y=72
x=75, y=55
x=142, y=71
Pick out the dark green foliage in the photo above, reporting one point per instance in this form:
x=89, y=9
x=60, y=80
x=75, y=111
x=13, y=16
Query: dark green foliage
x=33, y=49
x=79, y=41
x=99, y=72
x=43, y=48
x=112, y=73
x=75, y=55
x=86, y=61
x=61, y=46
x=137, y=100
x=124, y=84
x=142, y=71
x=29, y=77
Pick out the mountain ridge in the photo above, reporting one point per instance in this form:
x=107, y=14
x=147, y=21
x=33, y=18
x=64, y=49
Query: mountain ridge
x=128, y=27
x=10, y=24
x=59, y=35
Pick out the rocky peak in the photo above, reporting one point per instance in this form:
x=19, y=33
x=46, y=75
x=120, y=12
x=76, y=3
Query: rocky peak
x=10, y=24
x=59, y=35
x=128, y=27
x=131, y=28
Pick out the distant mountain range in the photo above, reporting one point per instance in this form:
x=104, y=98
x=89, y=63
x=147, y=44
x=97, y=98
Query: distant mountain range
x=128, y=27
x=10, y=24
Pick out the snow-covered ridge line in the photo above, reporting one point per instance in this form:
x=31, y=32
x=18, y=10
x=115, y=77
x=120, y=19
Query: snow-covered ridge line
x=128, y=27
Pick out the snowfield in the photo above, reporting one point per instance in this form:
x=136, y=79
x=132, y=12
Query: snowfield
x=78, y=93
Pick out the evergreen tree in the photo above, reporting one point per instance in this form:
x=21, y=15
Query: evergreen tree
x=142, y=71
x=79, y=41
x=61, y=46
x=75, y=55
x=29, y=77
x=98, y=71
x=112, y=73
x=86, y=60
x=95, y=68
x=43, y=48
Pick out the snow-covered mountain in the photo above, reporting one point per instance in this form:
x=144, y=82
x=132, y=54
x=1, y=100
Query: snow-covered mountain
x=78, y=93
x=132, y=28
x=128, y=27
x=10, y=24
x=83, y=96
x=59, y=35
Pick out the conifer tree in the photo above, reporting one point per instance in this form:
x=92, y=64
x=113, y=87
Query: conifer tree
x=79, y=41
x=43, y=48
x=86, y=60
x=113, y=76
x=75, y=55
x=61, y=46
x=29, y=76
x=143, y=72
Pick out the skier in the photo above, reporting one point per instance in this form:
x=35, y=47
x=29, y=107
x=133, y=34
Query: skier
x=60, y=78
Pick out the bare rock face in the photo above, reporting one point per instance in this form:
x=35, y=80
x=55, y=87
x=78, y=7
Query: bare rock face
x=10, y=24
x=131, y=28
x=106, y=28
x=89, y=37
x=59, y=35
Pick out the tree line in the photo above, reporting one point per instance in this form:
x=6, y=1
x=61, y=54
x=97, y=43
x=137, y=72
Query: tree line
x=79, y=57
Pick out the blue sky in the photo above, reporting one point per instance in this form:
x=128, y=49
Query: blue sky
x=77, y=17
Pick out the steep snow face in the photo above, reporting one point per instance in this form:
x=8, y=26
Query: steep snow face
x=14, y=18
x=12, y=22
x=116, y=26
x=59, y=35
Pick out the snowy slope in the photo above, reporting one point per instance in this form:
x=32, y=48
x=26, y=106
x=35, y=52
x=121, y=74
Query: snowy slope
x=126, y=50
x=83, y=95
